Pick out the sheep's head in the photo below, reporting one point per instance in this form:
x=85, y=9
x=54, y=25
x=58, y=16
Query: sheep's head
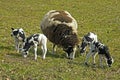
x=70, y=50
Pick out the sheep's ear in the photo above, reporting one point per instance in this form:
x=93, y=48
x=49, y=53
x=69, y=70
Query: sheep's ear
x=12, y=28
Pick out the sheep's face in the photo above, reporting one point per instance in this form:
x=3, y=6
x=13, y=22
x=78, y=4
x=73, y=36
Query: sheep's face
x=70, y=50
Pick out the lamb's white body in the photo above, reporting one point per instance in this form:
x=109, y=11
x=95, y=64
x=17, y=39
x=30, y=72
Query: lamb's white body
x=35, y=40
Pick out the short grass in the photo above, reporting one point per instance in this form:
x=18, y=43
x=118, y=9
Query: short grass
x=99, y=16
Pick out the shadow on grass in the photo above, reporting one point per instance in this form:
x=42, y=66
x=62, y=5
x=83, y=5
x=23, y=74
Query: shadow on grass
x=9, y=51
x=7, y=47
x=15, y=54
x=55, y=55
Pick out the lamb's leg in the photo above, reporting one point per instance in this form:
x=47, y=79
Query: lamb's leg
x=18, y=50
x=44, y=49
x=17, y=45
x=100, y=59
x=35, y=49
x=87, y=57
x=93, y=56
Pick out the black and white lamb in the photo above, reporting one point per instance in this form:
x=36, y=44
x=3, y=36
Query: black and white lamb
x=35, y=40
x=19, y=37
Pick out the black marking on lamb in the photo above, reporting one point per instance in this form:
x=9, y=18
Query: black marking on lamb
x=22, y=35
x=88, y=39
x=103, y=49
x=36, y=36
x=28, y=44
x=15, y=33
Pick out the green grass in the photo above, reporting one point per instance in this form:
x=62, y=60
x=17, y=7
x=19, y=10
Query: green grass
x=99, y=16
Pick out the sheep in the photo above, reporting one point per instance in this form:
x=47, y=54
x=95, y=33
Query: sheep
x=61, y=29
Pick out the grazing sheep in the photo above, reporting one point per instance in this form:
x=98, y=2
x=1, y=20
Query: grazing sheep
x=61, y=29
x=19, y=37
x=35, y=40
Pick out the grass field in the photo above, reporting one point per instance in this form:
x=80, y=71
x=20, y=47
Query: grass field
x=99, y=16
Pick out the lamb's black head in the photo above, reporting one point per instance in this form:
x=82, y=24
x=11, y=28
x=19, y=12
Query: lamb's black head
x=110, y=62
x=85, y=41
x=18, y=33
x=14, y=32
x=26, y=46
x=83, y=46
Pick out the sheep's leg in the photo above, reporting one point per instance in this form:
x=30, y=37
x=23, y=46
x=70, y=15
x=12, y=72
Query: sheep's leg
x=35, y=49
x=54, y=49
x=72, y=55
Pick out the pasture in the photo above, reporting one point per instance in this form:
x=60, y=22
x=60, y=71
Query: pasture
x=99, y=16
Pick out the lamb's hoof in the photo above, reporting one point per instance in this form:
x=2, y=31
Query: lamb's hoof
x=35, y=59
x=18, y=51
x=94, y=65
x=70, y=58
x=86, y=64
x=43, y=58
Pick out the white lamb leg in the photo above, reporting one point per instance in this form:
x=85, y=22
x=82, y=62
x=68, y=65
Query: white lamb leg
x=93, y=56
x=100, y=59
x=18, y=47
x=87, y=57
x=44, y=50
x=35, y=49
x=16, y=44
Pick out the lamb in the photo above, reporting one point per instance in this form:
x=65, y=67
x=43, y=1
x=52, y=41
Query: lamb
x=19, y=37
x=61, y=29
x=35, y=40
x=95, y=47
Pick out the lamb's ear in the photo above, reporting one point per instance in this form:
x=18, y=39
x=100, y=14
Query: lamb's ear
x=12, y=28
x=112, y=60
